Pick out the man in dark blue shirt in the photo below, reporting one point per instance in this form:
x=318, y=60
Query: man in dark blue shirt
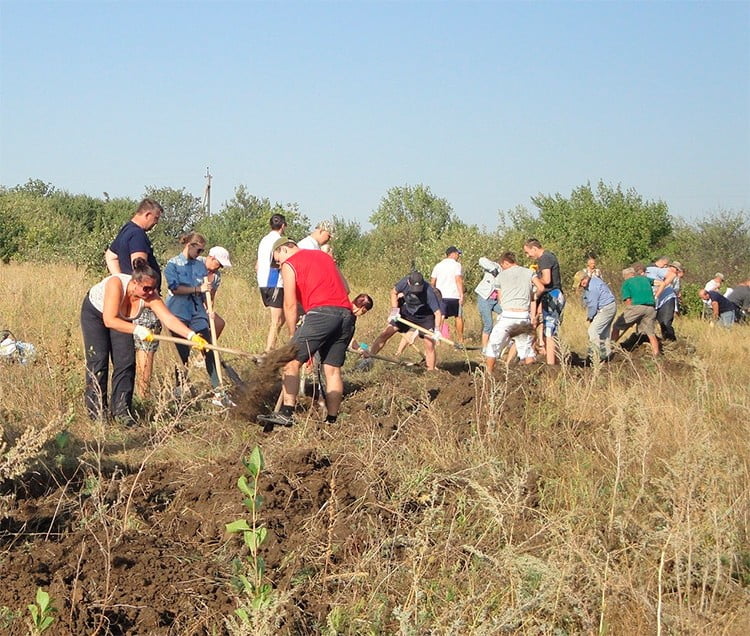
x=130, y=244
x=723, y=310
x=415, y=300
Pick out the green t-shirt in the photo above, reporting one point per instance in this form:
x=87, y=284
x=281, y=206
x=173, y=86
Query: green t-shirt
x=638, y=289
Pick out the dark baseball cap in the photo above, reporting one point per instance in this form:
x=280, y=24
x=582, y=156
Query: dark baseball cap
x=453, y=250
x=415, y=283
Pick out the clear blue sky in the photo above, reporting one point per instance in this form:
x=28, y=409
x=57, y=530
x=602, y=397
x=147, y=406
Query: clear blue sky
x=330, y=104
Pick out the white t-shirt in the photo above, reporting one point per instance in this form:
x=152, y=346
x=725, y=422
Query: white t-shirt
x=445, y=273
x=308, y=243
x=265, y=255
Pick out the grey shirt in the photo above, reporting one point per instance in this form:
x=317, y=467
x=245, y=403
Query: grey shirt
x=514, y=284
x=740, y=296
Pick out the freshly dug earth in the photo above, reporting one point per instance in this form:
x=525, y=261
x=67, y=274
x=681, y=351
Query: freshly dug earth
x=142, y=549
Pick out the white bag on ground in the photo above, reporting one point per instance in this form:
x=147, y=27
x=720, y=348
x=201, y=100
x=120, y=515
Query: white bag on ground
x=12, y=350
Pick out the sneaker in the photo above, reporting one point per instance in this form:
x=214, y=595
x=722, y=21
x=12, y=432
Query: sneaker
x=222, y=400
x=276, y=418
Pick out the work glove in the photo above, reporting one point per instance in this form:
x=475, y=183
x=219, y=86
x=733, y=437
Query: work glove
x=394, y=316
x=143, y=333
x=200, y=341
x=436, y=335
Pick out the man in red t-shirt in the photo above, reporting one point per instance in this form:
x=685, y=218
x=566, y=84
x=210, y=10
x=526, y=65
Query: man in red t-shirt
x=312, y=280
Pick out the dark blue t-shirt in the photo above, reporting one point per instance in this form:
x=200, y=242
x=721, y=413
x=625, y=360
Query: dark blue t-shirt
x=724, y=303
x=130, y=239
x=423, y=303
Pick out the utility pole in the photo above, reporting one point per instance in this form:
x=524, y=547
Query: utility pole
x=207, y=193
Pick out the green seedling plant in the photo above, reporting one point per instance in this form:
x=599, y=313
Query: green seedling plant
x=41, y=612
x=254, y=535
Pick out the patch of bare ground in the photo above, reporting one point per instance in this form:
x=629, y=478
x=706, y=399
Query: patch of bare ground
x=440, y=502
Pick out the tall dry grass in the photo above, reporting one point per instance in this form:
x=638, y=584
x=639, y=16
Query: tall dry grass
x=612, y=499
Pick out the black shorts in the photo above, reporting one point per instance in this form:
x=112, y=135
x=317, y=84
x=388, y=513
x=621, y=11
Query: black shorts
x=272, y=297
x=327, y=330
x=426, y=322
x=450, y=307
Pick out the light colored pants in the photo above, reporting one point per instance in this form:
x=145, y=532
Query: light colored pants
x=486, y=307
x=500, y=337
x=599, y=331
x=726, y=319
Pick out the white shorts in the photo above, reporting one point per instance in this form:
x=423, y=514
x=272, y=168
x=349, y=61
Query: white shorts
x=500, y=338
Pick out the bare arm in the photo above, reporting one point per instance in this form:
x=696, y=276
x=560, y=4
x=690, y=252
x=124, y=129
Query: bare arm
x=537, y=291
x=113, y=263
x=661, y=285
x=394, y=298
x=289, y=277
x=113, y=295
x=538, y=287
x=546, y=277
x=460, y=285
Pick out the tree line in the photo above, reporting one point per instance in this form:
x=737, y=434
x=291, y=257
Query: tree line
x=411, y=229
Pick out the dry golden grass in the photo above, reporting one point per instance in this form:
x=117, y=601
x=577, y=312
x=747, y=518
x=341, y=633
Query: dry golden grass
x=613, y=499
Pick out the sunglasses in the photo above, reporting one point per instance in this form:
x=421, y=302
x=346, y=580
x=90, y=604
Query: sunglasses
x=198, y=247
x=148, y=288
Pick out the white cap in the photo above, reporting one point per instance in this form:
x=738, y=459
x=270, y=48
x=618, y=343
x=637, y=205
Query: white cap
x=220, y=254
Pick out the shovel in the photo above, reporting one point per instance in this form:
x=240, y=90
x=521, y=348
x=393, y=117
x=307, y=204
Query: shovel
x=209, y=346
x=430, y=334
x=212, y=325
x=231, y=373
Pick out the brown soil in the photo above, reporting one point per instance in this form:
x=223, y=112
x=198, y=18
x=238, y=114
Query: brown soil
x=168, y=569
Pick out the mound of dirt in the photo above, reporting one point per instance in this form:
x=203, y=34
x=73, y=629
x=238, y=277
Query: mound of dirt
x=143, y=550
x=148, y=554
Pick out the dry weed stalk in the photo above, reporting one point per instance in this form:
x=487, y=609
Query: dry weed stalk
x=14, y=461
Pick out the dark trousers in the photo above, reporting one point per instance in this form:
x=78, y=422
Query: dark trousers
x=665, y=318
x=101, y=344
x=184, y=352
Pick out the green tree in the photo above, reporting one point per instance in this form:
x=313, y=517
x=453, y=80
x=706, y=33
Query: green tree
x=474, y=242
x=410, y=224
x=719, y=243
x=515, y=226
x=183, y=211
x=243, y=222
x=616, y=224
x=36, y=188
x=416, y=206
x=11, y=228
x=348, y=243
